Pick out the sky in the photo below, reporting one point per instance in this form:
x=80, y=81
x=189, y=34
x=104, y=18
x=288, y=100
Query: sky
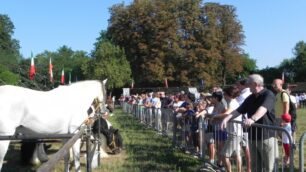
x=271, y=28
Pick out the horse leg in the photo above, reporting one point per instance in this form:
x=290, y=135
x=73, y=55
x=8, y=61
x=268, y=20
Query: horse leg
x=76, y=154
x=3, y=149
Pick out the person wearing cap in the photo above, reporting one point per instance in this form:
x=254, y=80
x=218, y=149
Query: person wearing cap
x=286, y=124
x=259, y=107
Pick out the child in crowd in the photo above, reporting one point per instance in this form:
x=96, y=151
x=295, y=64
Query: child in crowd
x=286, y=124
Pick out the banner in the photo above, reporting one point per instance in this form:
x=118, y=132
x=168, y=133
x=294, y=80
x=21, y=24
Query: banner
x=126, y=91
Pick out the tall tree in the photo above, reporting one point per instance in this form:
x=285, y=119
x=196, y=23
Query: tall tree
x=181, y=40
x=299, y=61
x=248, y=64
x=108, y=61
x=229, y=35
x=9, y=50
x=287, y=66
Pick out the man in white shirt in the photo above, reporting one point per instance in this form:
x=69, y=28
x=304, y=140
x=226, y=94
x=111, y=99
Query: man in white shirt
x=244, y=93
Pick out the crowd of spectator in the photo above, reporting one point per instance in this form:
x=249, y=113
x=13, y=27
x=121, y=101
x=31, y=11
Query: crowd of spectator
x=217, y=107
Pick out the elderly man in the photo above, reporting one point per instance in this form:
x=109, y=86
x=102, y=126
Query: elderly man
x=259, y=107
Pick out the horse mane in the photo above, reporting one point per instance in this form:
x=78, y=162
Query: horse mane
x=78, y=84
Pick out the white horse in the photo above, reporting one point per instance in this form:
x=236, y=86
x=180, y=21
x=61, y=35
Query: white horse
x=58, y=111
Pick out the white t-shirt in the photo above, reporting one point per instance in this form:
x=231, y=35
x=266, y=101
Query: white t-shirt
x=156, y=102
x=177, y=104
x=232, y=127
x=243, y=95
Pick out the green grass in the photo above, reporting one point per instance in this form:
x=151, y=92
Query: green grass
x=145, y=150
x=301, y=122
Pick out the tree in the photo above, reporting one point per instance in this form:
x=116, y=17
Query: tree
x=287, y=66
x=181, y=40
x=109, y=61
x=248, y=65
x=269, y=74
x=7, y=77
x=299, y=62
x=9, y=51
x=229, y=37
x=63, y=58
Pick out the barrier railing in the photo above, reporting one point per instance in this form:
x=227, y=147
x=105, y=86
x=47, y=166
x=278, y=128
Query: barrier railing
x=85, y=130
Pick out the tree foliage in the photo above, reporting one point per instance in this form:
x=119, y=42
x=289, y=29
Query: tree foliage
x=249, y=66
x=108, y=61
x=7, y=77
x=182, y=40
x=64, y=58
x=9, y=51
x=299, y=61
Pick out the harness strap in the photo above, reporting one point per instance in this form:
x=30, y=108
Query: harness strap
x=113, y=142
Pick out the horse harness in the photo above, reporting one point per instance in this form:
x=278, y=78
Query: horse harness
x=113, y=143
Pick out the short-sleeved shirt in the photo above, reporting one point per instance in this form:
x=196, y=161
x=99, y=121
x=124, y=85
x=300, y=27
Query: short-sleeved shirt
x=279, y=103
x=251, y=104
x=234, y=128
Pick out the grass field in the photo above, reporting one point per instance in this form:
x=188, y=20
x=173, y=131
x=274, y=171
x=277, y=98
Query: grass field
x=144, y=150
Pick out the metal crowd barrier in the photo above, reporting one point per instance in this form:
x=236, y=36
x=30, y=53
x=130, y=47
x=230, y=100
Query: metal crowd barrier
x=176, y=127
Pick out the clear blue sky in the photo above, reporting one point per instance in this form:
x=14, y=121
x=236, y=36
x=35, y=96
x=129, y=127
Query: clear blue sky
x=272, y=28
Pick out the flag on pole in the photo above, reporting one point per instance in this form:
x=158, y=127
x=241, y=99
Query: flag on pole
x=51, y=71
x=132, y=85
x=283, y=77
x=63, y=77
x=166, y=83
x=32, y=71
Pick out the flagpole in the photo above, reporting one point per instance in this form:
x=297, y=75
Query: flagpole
x=32, y=70
x=51, y=73
x=63, y=77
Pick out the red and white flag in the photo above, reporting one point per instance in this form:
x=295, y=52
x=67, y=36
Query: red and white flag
x=166, y=83
x=63, y=77
x=51, y=70
x=32, y=71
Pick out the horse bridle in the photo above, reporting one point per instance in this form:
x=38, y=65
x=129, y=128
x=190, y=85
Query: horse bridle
x=96, y=105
